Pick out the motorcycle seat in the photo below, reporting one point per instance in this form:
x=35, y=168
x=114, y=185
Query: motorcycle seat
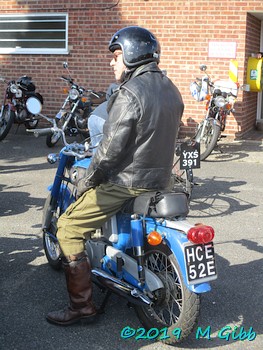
x=160, y=205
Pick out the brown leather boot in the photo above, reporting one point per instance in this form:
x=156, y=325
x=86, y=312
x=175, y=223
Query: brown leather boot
x=78, y=277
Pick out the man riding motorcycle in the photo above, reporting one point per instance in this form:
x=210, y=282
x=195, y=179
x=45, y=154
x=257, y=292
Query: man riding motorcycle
x=135, y=155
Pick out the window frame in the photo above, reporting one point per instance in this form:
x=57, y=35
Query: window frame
x=31, y=51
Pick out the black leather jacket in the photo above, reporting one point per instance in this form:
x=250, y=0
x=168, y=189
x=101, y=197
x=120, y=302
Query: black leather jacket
x=138, y=145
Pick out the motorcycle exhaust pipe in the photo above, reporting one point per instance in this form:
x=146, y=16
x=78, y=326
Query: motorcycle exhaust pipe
x=123, y=289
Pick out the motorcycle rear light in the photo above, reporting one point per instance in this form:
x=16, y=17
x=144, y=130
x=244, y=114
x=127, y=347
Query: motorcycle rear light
x=154, y=238
x=201, y=234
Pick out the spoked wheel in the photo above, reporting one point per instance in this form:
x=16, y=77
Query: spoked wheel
x=207, y=137
x=175, y=307
x=50, y=242
x=6, y=122
x=182, y=179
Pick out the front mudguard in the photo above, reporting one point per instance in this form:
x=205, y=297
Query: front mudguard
x=65, y=197
x=175, y=241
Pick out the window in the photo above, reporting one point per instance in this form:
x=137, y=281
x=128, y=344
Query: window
x=43, y=33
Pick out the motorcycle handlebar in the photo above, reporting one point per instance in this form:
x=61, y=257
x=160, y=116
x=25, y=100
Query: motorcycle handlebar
x=69, y=80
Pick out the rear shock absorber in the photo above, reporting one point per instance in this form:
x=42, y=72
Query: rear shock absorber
x=137, y=234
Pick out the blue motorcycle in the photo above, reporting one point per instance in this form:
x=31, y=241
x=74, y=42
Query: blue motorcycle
x=148, y=253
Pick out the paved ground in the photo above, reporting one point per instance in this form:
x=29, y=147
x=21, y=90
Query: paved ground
x=228, y=196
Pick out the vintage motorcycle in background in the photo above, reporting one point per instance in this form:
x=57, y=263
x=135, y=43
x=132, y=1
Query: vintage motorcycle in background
x=73, y=116
x=220, y=96
x=21, y=105
x=148, y=253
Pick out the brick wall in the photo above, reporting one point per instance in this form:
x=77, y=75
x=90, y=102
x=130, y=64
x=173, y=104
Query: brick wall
x=184, y=29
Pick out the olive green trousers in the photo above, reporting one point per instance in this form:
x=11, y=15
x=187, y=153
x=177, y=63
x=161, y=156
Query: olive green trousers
x=88, y=213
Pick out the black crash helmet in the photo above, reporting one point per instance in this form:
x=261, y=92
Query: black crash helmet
x=138, y=45
x=25, y=83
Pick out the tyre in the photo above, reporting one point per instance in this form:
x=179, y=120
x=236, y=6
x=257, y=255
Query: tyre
x=182, y=179
x=176, y=307
x=50, y=243
x=52, y=140
x=209, y=139
x=31, y=124
x=6, y=121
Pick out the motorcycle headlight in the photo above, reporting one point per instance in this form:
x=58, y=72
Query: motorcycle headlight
x=73, y=94
x=220, y=101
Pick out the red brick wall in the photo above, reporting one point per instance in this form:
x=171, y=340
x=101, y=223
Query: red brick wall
x=184, y=29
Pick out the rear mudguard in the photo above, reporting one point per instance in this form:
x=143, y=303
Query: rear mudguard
x=175, y=241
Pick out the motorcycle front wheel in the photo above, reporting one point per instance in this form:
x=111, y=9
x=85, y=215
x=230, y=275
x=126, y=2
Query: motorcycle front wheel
x=208, y=137
x=6, y=121
x=176, y=308
x=50, y=242
x=31, y=124
x=52, y=140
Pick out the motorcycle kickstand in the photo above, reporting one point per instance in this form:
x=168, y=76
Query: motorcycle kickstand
x=101, y=309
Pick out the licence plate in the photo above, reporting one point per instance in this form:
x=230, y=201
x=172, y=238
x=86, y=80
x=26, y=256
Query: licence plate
x=200, y=262
x=190, y=155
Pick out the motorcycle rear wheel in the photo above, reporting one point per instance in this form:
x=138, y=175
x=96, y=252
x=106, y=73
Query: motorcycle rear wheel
x=176, y=307
x=50, y=243
x=6, y=122
x=209, y=139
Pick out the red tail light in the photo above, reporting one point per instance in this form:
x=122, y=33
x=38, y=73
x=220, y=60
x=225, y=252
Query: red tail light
x=201, y=234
